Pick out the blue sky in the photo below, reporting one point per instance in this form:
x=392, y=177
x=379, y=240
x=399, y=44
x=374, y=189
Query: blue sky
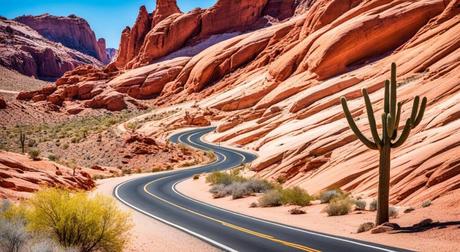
x=106, y=17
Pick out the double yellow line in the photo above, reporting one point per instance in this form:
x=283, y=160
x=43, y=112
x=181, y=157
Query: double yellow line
x=229, y=225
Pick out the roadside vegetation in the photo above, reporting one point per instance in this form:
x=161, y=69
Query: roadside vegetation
x=58, y=220
x=22, y=138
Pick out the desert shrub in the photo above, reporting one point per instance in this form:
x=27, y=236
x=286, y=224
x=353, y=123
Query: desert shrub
x=258, y=185
x=223, y=178
x=365, y=227
x=196, y=176
x=393, y=212
x=78, y=221
x=339, y=206
x=373, y=205
x=360, y=204
x=426, y=203
x=327, y=196
x=34, y=154
x=219, y=191
x=271, y=198
x=52, y=157
x=239, y=190
x=13, y=232
x=295, y=196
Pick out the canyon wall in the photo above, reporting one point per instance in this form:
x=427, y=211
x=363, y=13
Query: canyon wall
x=72, y=31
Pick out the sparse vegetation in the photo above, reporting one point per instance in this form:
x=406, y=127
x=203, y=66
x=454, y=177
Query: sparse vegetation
x=339, y=206
x=239, y=188
x=426, y=203
x=329, y=195
x=393, y=212
x=365, y=227
x=270, y=199
x=295, y=196
x=373, y=205
x=17, y=138
x=52, y=157
x=360, y=205
x=196, y=176
x=34, y=154
x=223, y=178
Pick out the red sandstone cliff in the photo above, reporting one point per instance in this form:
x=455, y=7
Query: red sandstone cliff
x=276, y=89
x=26, y=51
x=72, y=31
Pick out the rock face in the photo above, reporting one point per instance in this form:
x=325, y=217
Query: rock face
x=111, y=53
x=72, y=31
x=26, y=51
x=276, y=89
x=20, y=176
x=168, y=29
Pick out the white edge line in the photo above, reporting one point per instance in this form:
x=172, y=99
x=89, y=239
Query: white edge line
x=204, y=238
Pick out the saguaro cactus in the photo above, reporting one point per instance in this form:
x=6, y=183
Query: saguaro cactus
x=389, y=137
x=22, y=141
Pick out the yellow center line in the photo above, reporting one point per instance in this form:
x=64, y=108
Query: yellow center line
x=229, y=225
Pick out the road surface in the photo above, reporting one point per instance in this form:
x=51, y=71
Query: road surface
x=157, y=197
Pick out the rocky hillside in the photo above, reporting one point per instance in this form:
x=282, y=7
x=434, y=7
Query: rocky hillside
x=72, y=31
x=26, y=51
x=20, y=176
x=272, y=84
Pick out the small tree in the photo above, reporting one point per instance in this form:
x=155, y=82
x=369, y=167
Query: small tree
x=390, y=124
x=78, y=221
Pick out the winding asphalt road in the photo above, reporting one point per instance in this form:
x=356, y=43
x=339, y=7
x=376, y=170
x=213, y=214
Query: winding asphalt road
x=157, y=197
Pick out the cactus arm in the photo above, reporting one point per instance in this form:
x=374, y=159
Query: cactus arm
x=393, y=91
x=387, y=97
x=384, y=128
x=404, y=135
x=353, y=126
x=370, y=115
x=390, y=124
x=397, y=121
x=420, y=113
x=413, y=115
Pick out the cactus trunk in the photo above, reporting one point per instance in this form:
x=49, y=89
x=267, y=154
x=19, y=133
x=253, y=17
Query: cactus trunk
x=384, y=185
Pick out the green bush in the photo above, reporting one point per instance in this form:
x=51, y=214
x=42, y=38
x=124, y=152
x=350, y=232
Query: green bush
x=270, y=199
x=360, y=205
x=223, y=178
x=34, y=154
x=339, y=206
x=327, y=196
x=373, y=205
x=393, y=212
x=78, y=221
x=295, y=196
x=52, y=157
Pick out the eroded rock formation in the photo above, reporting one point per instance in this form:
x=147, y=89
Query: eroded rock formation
x=26, y=51
x=20, y=176
x=72, y=31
